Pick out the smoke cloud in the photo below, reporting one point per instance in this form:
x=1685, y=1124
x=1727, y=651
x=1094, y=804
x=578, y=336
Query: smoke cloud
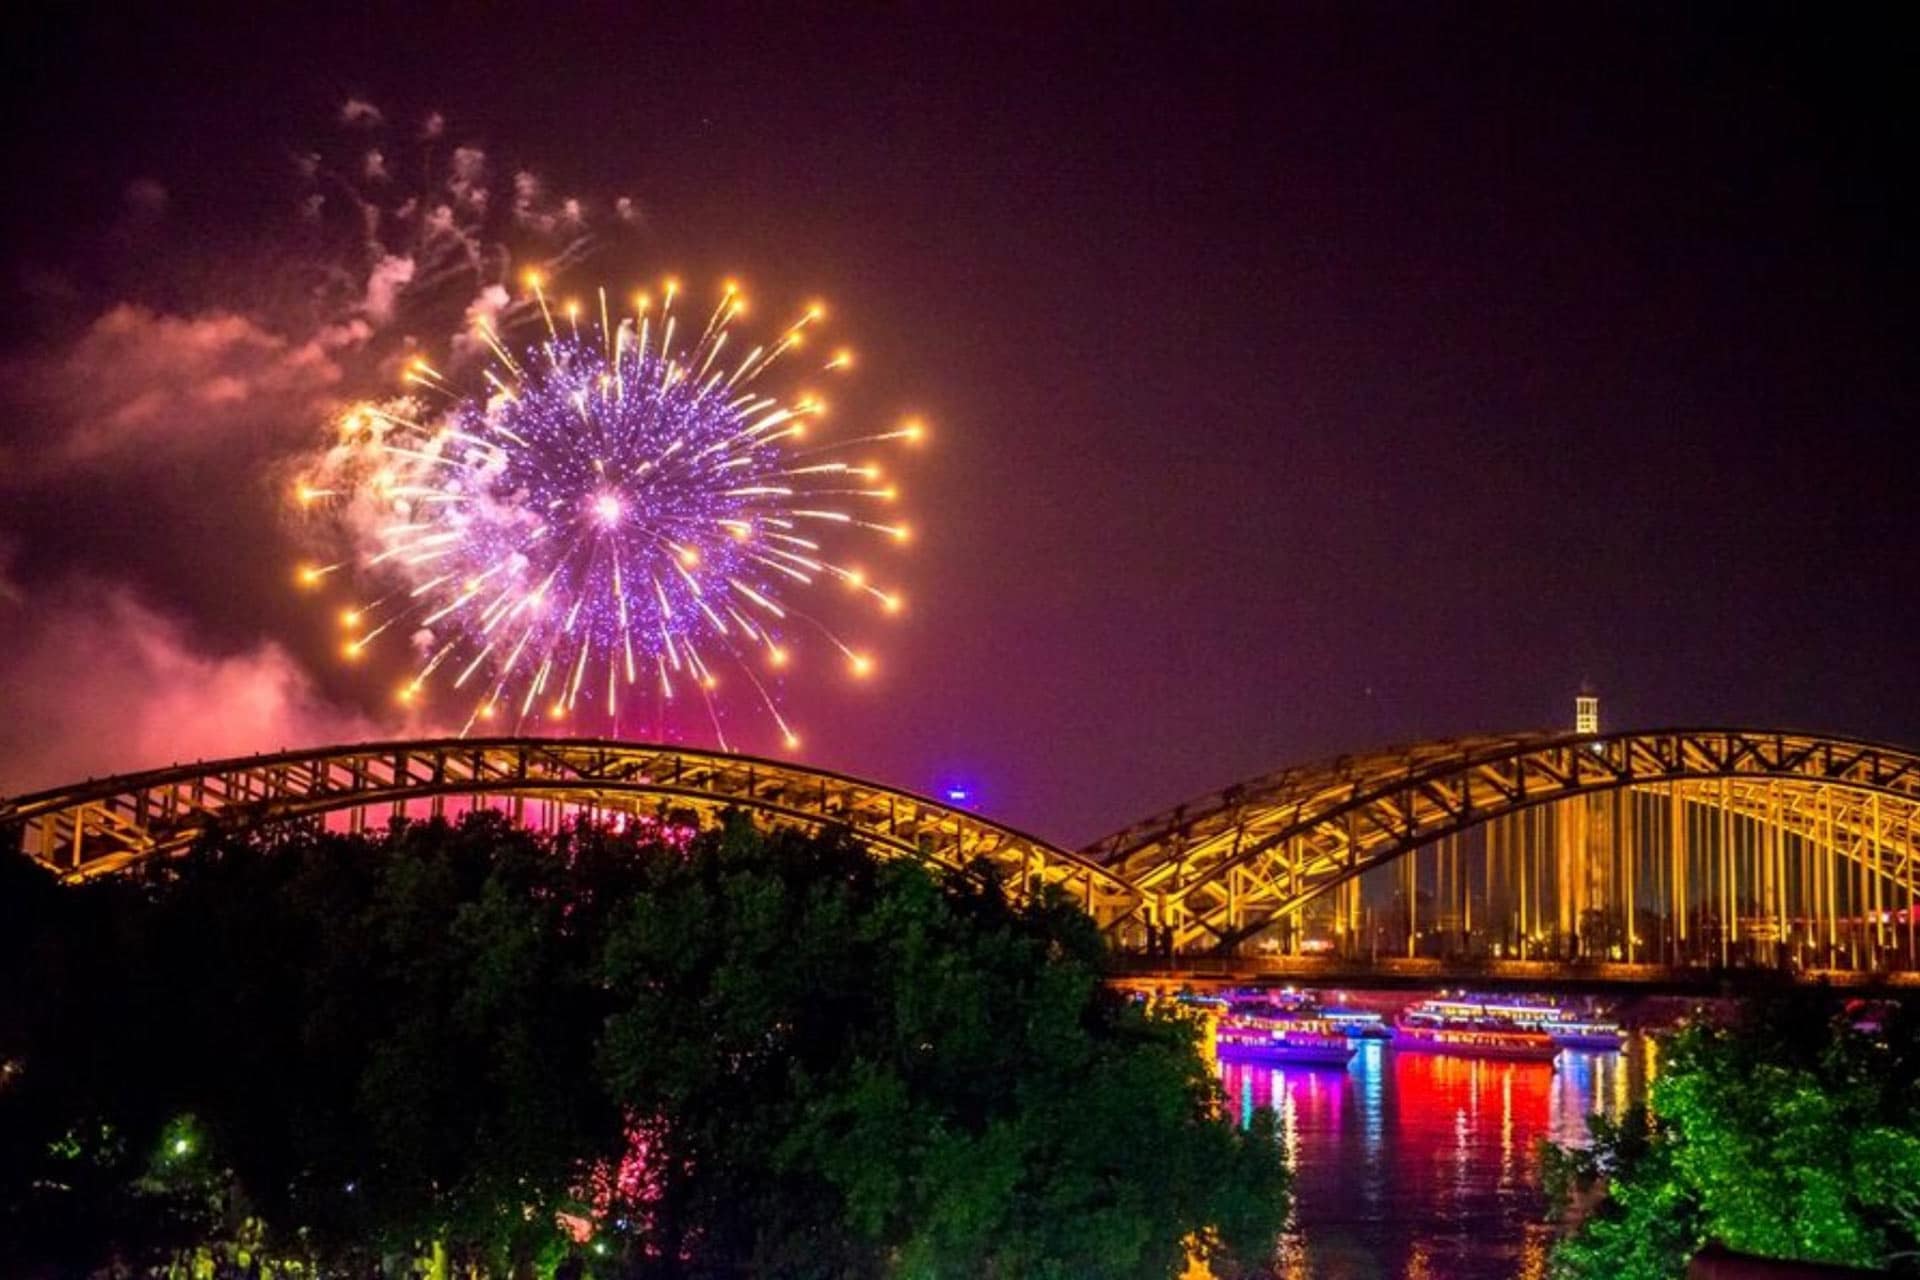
x=151, y=435
x=103, y=683
x=138, y=380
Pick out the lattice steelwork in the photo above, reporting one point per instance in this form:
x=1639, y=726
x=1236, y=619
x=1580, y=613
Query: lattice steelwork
x=1673, y=847
x=106, y=825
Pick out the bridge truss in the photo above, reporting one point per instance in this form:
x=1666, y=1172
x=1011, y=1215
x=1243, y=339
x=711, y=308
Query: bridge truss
x=1676, y=847
x=1679, y=846
x=106, y=825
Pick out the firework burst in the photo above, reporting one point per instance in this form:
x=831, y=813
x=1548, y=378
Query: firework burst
x=628, y=508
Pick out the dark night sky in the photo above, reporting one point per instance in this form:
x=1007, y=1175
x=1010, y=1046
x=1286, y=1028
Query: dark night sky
x=1303, y=377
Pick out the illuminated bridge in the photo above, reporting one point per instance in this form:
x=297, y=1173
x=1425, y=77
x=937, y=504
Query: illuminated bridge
x=1625, y=854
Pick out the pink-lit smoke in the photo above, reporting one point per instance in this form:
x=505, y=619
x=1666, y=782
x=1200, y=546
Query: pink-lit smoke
x=101, y=683
x=143, y=450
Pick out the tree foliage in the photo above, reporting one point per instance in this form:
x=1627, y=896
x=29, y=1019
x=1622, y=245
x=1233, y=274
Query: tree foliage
x=1792, y=1134
x=630, y=1052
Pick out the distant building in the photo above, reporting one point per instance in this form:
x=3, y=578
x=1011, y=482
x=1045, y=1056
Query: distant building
x=1586, y=712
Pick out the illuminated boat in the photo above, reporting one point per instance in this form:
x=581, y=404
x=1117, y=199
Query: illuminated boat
x=1570, y=1033
x=1301, y=1042
x=1568, y=1030
x=1361, y=1024
x=1421, y=1029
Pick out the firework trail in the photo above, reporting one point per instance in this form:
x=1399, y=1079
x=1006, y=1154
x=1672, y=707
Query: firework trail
x=405, y=226
x=626, y=508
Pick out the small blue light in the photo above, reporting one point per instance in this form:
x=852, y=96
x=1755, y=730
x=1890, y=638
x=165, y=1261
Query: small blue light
x=957, y=794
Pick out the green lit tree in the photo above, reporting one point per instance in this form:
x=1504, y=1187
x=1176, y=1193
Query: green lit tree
x=469, y=1049
x=1794, y=1134
x=866, y=1069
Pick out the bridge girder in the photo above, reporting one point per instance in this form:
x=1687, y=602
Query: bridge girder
x=1221, y=868
x=108, y=824
x=1216, y=870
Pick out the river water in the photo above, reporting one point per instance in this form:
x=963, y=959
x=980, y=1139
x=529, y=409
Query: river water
x=1422, y=1165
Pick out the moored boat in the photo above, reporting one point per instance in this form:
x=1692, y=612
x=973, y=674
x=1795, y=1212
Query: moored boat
x=1360, y=1024
x=1571, y=1034
x=1566, y=1029
x=1474, y=1040
x=1305, y=1042
x=1431, y=1027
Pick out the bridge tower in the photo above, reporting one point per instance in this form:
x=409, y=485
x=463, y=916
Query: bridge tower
x=1588, y=908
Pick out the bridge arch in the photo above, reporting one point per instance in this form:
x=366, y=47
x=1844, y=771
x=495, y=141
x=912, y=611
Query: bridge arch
x=107, y=824
x=1785, y=837
x=1230, y=865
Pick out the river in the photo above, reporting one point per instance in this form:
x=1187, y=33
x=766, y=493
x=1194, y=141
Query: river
x=1423, y=1166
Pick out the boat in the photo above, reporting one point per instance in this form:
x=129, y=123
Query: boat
x=1571, y=1034
x=1359, y=1024
x=1567, y=1029
x=1425, y=1028
x=1302, y=1042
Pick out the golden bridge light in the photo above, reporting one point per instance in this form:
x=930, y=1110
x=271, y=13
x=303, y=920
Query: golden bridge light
x=1681, y=865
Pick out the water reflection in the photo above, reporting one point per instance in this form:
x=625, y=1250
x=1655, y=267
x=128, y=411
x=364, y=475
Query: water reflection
x=1417, y=1164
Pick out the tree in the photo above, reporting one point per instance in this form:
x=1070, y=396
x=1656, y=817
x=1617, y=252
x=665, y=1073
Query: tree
x=865, y=1068
x=1794, y=1134
x=636, y=1051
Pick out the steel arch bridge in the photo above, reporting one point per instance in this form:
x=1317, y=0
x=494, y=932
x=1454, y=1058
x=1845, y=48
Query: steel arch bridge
x=1795, y=840
x=1677, y=847
x=105, y=825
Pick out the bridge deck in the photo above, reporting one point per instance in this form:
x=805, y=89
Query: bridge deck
x=1398, y=972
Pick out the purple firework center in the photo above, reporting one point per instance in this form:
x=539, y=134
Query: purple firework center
x=615, y=519
x=623, y=503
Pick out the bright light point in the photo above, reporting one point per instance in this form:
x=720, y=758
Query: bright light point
x=534, y=279
x=306, y=575
x=861, y=664
x=816, y=310
x=689, y=557
x=557, y=711
x=915, y=430
x=842, y=359
x=181, y=1146
x=351, y=649
x=672, y=286
x=349, y=617
x=302, y=494
x=891, y=604
x=573, y=310
x=486, y=712
x=778, y=657
x=607, y=509
x=958, y=795
x=901, y=533
x=792, y=740
x=731, y=286
x=404, y=694
x=709, y=682
x=856, y=578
